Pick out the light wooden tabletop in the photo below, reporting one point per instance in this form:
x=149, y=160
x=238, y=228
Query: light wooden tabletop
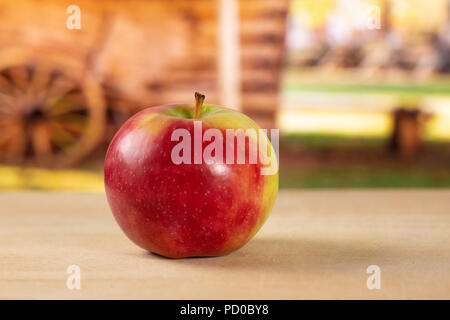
x=316, y=244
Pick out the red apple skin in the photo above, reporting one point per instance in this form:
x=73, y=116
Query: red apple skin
x=184, y=210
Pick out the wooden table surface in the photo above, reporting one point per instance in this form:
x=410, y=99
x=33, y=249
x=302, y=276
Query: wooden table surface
x=316, y=244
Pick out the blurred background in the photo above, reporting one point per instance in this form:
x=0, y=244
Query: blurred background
x=359, y=89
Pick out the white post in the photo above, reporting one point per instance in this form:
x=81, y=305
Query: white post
x=229, y=67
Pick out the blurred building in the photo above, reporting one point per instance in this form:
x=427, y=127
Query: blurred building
x=369, y=68
x=65, y=91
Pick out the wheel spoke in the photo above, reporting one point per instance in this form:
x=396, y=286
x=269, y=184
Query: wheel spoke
x=40, y=79
x=75, y=124
x=8, y=124
x=41, y=140
x=5, y=136
x=8, y=92
x=7, y=105
x=5, y=84
x=68, y=104
x=16, y=140
x=20, y=77
x=9, y=95
x=60, y=136
x=59, y=88
x=6, y=120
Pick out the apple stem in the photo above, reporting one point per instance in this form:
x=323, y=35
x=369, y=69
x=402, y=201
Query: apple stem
x=199, y=99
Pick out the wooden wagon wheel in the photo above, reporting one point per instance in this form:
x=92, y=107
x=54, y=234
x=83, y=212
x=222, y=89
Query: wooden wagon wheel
x=52, y=113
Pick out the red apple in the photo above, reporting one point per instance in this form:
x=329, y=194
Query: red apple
x=200, y=207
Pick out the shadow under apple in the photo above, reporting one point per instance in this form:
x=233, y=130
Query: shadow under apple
x=295, y=254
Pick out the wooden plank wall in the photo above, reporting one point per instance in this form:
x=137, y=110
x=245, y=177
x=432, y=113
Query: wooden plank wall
x=263, y=28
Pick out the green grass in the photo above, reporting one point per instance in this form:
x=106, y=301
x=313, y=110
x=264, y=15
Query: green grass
x=314, y=142
x=414, y=89
x=361, y=177
x=328, y=161
x=351, y=82
x=390, y=172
